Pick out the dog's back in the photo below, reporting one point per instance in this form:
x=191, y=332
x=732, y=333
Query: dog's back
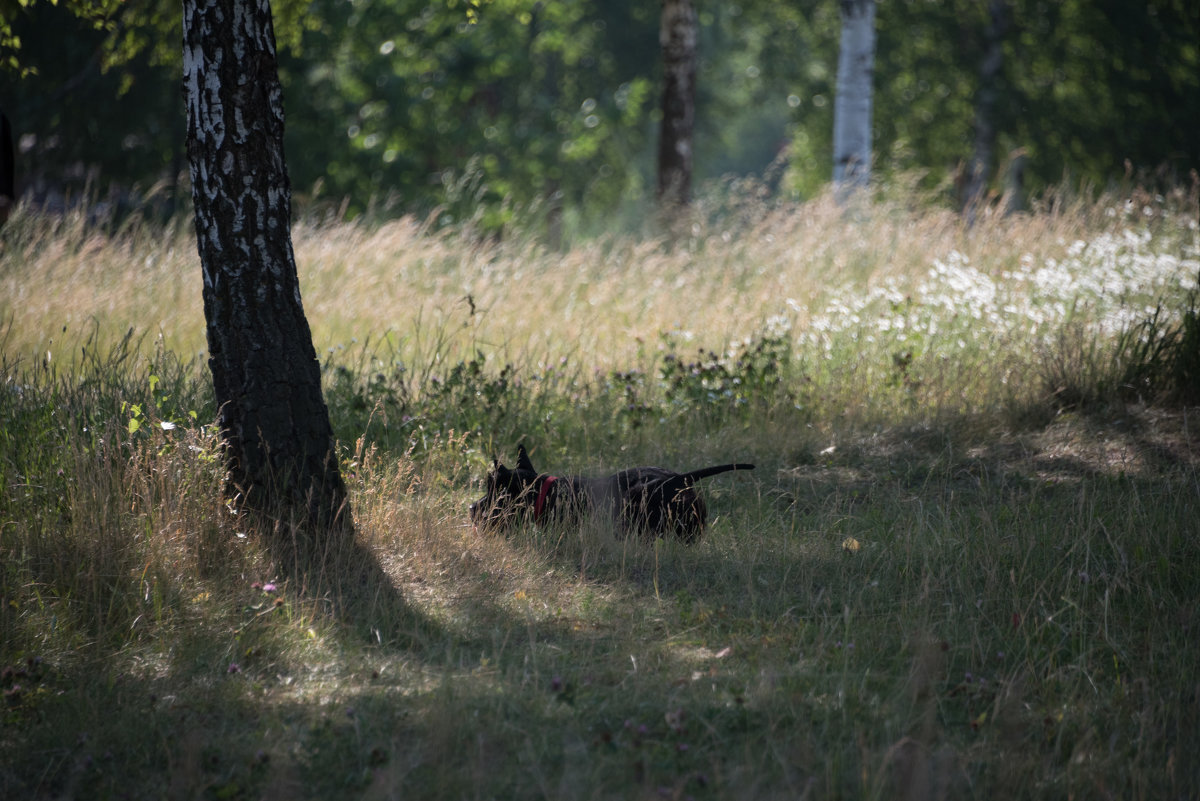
x=648, y=501
x=655, y=501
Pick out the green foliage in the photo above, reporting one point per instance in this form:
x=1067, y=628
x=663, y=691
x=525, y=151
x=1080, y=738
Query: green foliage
x=750, y=377
x=1089, y=63
x=489, y=111
x=375, y=394
x=99, y=15
x=403, y=101
x=398, y=408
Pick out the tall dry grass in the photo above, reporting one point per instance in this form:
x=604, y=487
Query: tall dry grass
x=948, y=573
x=719, y=275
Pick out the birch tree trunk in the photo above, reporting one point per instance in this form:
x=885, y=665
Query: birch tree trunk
x=677, y=35
x=852, y=109
x=274, y=422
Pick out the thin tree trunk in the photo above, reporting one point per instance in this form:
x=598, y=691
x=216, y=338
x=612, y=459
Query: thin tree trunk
x=8, y=169
x=678, y=36
x=979, y=170
x=852, y=109
x=551, y=191
x=273, y=419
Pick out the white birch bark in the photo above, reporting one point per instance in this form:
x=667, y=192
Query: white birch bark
x=266, y=377
x=852, y=109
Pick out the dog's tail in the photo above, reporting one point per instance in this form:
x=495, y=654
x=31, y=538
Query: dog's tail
x=705, y=472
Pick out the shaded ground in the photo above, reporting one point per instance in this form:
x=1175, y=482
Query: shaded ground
x=1142, y=443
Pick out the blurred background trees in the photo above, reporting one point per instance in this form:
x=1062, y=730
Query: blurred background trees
x=480, y=108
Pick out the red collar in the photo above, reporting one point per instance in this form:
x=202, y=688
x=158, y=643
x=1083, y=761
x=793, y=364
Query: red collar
x=541, y=498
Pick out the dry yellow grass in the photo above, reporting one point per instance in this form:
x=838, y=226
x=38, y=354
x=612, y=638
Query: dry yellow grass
x=595, y=301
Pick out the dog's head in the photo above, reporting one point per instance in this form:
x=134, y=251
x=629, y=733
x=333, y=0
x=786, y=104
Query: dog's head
x=510, y=494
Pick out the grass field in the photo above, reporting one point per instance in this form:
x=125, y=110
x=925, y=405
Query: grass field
x=967, y=565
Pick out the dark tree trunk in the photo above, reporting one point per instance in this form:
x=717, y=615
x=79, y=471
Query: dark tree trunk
x=8, y=170
x=978, y=172
x=678, y=36
x=551, y=83
x=273, y=419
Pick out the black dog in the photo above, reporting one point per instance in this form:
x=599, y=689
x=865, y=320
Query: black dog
x=650, y=501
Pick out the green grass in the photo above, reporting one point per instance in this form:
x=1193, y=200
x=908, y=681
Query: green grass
x=966, y=566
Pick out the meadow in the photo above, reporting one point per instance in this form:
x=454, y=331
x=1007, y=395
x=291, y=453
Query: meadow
x=966, y=566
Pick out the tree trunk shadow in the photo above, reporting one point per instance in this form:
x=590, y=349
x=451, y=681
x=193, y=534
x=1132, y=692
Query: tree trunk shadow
x=341, y=579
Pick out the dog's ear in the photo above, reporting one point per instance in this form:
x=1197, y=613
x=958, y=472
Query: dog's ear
x=497, y=469
x=523, y=461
